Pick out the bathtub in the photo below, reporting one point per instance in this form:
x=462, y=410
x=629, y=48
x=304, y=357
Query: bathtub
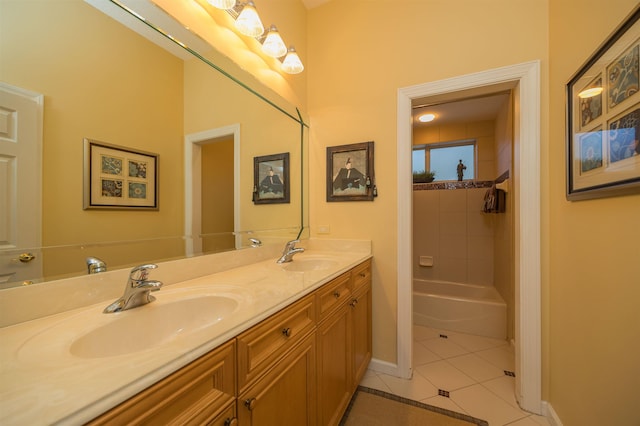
x=465, y=308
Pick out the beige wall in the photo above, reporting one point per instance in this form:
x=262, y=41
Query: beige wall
x=217, y=195
x=593, y=325
x=355, y=70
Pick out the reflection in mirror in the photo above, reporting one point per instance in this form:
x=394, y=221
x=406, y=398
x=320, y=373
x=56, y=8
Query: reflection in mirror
x=100, y=80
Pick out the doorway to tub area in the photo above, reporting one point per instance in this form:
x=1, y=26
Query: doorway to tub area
x=521, y=83
x=462, y=228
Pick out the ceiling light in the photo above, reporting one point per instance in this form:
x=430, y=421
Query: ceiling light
x=425, y=118
x=222, y=4
x=248, y=22
x=590, y=93
x=292, y=63
x=273, y=44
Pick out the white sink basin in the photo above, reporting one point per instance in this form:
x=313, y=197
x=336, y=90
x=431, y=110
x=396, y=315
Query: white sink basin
x=306, y=264
x=151, y=325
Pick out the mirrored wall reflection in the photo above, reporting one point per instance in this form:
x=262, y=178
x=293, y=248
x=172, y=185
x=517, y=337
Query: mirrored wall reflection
x=104, y=82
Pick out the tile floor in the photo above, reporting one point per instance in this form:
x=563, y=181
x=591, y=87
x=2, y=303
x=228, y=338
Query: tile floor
x=471, y=368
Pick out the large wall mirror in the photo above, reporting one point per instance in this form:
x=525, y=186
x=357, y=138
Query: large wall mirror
x=102, y=81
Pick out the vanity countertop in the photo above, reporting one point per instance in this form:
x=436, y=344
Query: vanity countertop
x=42, y=382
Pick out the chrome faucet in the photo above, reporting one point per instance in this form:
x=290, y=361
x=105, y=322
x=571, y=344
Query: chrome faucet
x=95, y=265
x=137, y=292
x=289, y=250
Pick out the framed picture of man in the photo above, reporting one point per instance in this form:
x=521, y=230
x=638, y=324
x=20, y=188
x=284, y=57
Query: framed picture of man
x=271, y=179
x=350, y=175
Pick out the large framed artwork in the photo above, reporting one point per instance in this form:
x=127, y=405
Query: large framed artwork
x=603, y=118
x=350, y=174
x=271, y=179
x=116, y=177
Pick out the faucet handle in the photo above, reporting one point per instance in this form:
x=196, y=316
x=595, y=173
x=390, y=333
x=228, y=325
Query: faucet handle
x=142, y=270
x=291, y=244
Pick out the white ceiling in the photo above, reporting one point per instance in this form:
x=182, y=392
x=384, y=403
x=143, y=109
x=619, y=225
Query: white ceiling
x=467, y=110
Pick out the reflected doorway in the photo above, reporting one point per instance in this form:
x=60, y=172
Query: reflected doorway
x=211, y=190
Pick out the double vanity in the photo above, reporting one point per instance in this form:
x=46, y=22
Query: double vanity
x=244, y=341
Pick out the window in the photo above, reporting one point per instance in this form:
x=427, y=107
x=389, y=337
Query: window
x=443, y=159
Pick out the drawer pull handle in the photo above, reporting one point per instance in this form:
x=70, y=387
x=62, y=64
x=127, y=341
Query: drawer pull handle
x=250, y=404
x=362, y=274
x=353, y=303
x=286, y=332
x=336, y=295
x=231, y=422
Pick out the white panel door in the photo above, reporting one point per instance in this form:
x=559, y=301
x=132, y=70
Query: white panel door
x=20, y=183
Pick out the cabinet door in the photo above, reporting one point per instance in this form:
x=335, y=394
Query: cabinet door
x=286, y=394
x=334, y=366
x=362, y=343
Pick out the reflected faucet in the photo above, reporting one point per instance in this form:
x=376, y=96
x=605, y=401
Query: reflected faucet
x=289, y=250
x=95, y=265
x=137, y=292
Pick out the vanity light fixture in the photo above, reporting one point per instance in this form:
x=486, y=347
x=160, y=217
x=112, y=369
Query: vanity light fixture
x=590, y=93
x=273, y=44
x=292, y=63
x=248, y=22
x=426, y=118
x=222, y=4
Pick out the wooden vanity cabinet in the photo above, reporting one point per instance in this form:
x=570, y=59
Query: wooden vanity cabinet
x=285, y=395
x=334, y=349
x=361, y=312
x=201, y=393
x=277, y=368
x=300, y=366
x=344, y=340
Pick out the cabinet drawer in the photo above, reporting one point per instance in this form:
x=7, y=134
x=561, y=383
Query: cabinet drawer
x=263, y=344
x=226, y=418
x=333, y=294
x=194, y=394
x=361, y=275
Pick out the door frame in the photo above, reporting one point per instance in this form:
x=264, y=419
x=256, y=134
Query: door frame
x=192, y=183
x=526, y=185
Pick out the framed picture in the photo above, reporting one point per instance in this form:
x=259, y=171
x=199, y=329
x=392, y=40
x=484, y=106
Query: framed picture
x=117, y=177
x=350, y=175
x=603, y=118
x=271, y=179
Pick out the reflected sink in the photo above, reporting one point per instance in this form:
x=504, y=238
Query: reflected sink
x=151, y=325
x=307, y=264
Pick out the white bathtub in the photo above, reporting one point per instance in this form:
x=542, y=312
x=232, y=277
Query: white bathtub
x=466, y=308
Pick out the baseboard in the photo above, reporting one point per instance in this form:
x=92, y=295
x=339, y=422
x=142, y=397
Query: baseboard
x=385, y=367
x=550, y=414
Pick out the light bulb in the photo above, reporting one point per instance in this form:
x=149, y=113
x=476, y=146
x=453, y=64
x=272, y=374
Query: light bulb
x=425, y=118
x=292, y=63
x=273, y=44
x=248, y=22
x=222, y=4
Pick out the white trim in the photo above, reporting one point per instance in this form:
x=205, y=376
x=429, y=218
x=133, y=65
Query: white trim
x=527, y=188
x=192, y=194
x=551, y=414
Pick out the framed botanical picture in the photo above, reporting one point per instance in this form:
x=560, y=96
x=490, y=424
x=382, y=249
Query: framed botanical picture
x=603, y=118
x=271, y=179
x=350, y=174
x=117, y=177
